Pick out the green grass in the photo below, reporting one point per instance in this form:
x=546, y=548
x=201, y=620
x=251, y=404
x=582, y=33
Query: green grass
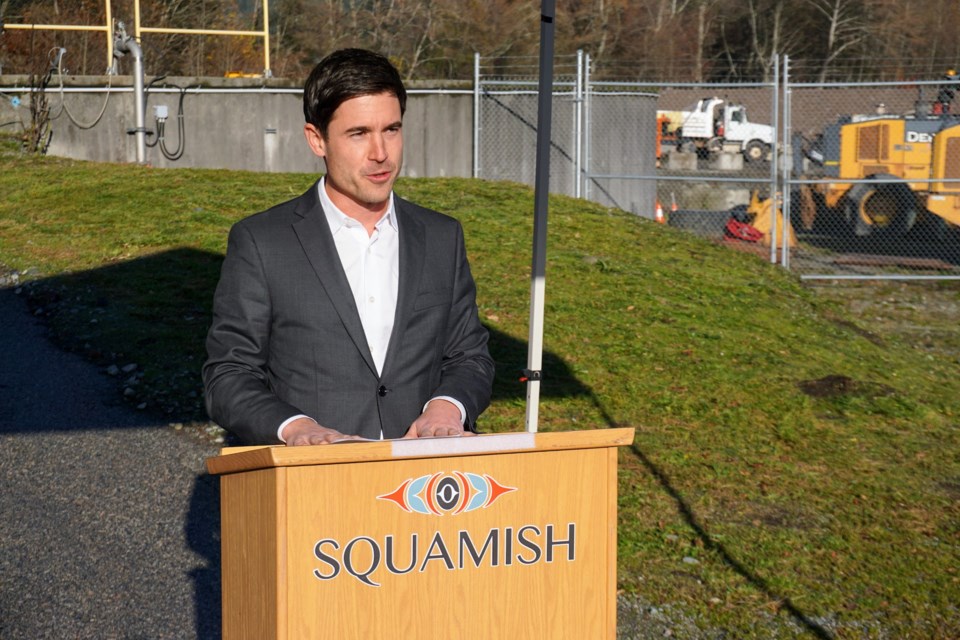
x=828, y=507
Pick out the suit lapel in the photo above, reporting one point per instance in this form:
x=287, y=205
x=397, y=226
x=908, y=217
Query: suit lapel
x=317, y=242
x=412, y=252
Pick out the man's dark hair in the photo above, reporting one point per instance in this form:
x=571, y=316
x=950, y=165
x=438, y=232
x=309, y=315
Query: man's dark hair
x=346, y=74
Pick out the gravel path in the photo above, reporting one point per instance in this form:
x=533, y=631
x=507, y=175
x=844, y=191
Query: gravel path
x=108, y=521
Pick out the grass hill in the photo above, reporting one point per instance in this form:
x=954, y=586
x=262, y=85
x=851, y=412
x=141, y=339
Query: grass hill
x=794, y=469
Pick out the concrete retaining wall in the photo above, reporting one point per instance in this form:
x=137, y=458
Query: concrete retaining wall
x=257, y=125
x=234, y=127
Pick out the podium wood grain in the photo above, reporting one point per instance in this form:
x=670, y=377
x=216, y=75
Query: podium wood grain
x=279, y=503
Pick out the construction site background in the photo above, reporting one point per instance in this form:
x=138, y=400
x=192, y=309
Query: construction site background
x=862, y=175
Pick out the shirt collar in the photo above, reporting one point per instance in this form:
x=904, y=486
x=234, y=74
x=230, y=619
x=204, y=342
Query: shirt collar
x=337, y=219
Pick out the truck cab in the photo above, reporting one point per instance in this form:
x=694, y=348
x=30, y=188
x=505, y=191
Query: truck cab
x=755, y=140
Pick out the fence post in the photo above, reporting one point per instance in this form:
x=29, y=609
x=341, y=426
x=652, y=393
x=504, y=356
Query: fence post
x=587, y=119
x=774, y=159
x=578, y=129
x=476, y=114
x=787, y=162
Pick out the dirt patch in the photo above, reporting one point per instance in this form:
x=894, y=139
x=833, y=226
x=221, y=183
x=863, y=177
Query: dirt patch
x=827, y=387
x=834, y=386
x=863, y=333
x=773, y=516
x=951, y=488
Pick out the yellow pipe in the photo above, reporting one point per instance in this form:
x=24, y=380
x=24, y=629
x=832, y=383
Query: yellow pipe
x=109, y=38
x=202, y=32
x=266, y=38
x=56, y=27
x=137, y=30
x=72, y=27
x=265, y=34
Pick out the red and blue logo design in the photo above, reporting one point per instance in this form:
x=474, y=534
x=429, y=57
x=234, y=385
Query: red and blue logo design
x=447, y=493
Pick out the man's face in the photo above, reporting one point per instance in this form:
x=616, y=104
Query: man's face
x=363, y=151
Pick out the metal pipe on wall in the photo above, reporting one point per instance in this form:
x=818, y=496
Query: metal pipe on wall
x=126, y=44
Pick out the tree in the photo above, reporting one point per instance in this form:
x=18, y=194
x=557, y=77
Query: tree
x=673, y=40
x=751, y=32
x=845, y=28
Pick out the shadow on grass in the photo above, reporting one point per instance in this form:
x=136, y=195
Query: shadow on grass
x=154, y=312
x=708, y=542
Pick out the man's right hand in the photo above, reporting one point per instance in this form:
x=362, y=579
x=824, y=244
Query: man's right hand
x=304, y=431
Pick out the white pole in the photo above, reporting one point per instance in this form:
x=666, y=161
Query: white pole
x=541, y=192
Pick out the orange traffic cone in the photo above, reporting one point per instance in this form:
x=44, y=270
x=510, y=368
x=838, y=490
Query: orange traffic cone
x=673, y=204
x=658, y=216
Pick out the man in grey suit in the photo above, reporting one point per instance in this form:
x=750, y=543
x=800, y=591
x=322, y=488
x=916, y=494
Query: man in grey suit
x=347, y=312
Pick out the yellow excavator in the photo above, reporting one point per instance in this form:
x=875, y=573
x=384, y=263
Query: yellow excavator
x=902, y=157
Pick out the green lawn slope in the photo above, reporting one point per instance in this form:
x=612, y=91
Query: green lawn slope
x=789, y=465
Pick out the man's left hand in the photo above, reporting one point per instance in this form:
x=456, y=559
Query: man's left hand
x=440, y=419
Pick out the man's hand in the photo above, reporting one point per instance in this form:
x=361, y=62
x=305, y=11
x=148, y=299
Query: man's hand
x=441, y=418
x=304, y=431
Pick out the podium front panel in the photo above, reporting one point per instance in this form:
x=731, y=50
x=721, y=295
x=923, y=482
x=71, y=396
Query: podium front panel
x=510, y=546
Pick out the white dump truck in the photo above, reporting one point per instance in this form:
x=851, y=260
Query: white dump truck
x=712, y=126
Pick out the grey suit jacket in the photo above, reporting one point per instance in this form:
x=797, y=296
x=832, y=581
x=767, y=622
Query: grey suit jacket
x=286, y=336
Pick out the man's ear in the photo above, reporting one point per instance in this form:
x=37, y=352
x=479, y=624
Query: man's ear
x=315, y=140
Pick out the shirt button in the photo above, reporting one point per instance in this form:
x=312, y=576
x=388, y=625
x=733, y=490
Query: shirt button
x=371, y=299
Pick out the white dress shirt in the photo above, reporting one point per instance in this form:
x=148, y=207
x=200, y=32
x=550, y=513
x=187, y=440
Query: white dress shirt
x=371, y=263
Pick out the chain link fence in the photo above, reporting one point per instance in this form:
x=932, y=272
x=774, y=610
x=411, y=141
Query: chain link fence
x=508, y=128
x=833, y=181
x=599, y=140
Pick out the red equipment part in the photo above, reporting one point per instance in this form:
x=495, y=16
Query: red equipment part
x=742, y=231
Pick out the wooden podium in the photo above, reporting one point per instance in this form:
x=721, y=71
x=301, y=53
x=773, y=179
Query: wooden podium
x=494, y=536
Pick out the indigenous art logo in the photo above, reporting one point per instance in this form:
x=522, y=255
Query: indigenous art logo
x=368, y=558
x=446, y=493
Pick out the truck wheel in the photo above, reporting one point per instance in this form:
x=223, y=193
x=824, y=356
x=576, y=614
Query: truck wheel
x=755, y=151
x=888, y=208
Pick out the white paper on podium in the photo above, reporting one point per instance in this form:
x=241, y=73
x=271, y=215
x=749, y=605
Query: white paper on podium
x=416, y=447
